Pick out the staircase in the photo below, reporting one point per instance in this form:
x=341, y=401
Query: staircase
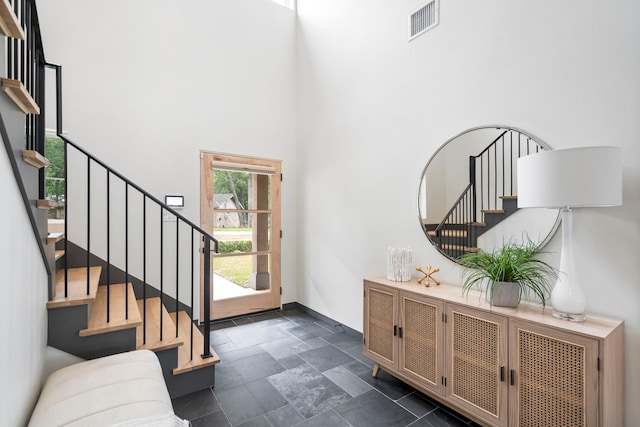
x=102, y=303
x=109, y=320
x=97, y=308
x=489, y=198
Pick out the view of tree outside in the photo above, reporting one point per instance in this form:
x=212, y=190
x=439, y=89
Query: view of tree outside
x=54, y=175
x=54, y=152
x=234, y=269
x=236, y=183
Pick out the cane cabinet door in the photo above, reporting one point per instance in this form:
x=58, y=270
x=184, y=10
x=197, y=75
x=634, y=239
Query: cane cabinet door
x=421, y=339
x=380, y=324
x=477, y=357
x=554, y=377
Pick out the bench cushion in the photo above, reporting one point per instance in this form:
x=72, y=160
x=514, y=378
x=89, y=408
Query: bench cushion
x=103, y=392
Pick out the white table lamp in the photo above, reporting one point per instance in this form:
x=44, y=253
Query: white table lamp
x=566, y=179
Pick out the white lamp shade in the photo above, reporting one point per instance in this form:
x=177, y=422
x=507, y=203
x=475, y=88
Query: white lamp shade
x=573, y=177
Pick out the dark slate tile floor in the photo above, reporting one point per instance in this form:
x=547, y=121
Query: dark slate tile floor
x=289, y=368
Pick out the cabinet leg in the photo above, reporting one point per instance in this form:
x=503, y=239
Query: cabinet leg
x=376, y=369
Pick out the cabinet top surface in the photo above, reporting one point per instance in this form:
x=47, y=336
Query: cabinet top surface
x=595, y=326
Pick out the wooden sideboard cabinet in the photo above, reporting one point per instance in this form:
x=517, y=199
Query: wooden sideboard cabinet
x=499, y=366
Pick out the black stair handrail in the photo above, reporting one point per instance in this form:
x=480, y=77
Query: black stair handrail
x=457, y=219
x=207, y=239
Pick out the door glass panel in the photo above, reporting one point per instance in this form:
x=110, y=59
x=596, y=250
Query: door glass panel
x=242, y=226
x=240, y=275
x=256, y=237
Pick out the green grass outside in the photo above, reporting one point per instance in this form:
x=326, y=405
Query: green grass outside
x=236, y=269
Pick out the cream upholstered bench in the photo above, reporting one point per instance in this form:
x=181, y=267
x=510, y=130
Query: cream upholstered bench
x=126, y=389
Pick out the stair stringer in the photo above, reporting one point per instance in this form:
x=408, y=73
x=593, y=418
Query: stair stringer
x=64, y=324
x=185, y=383
x=509, y=207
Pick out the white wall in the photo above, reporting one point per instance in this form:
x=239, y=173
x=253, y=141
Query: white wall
x=373, y=108
x=148, y=84
x=23, y=329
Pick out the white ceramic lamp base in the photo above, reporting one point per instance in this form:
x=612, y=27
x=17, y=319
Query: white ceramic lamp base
x=567, y=298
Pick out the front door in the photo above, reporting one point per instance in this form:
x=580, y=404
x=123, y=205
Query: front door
x=240, y=207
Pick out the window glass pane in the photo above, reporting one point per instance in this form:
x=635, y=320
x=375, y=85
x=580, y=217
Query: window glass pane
x=232, y=238
x=236, y=276
x=241, y=191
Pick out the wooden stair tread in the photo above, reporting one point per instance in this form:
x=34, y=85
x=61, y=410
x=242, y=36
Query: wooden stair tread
x=35, y=159
x=59, y=254
x=77, y=287
x=459, y=248
x=20, y=96
x=54, y=237
x=493, y=211
x=9, y=22
x=151, y=325
x=509, y=197
x=477, y=224
x=449, y=233
x=46, y=204
x=117, y=319
x=185, y=364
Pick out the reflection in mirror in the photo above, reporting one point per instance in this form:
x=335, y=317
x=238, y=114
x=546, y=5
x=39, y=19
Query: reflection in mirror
x=468, y=195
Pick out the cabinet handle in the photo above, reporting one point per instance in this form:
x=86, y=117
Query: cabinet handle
x=513, y=376
x=502, y=373
x=400, y=332
x=395, y=330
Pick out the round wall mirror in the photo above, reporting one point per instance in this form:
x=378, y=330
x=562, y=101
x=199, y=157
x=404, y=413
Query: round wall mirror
x=468, y=193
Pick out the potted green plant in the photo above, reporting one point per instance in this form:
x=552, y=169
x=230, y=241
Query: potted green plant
x=508, y=274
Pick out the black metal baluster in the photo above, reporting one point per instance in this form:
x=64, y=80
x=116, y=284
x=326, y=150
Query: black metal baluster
x=26, y=58
x=481, y=183
x=108, y=245
x=9, y=69
x=207, y=296
x=503, y=184
x=192, y=285
x=22, y=45
x=472, y=182
x=144, y=269
x=495, y=177
x=88, y=221
x=66, y=216
x=126, y=250
x=59, y=102
x=161, y=269
x=511, y=162
x=177, y=271
x=16, y=59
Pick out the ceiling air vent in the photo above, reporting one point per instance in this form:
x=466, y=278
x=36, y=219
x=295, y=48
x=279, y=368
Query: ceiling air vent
x=423, y=19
